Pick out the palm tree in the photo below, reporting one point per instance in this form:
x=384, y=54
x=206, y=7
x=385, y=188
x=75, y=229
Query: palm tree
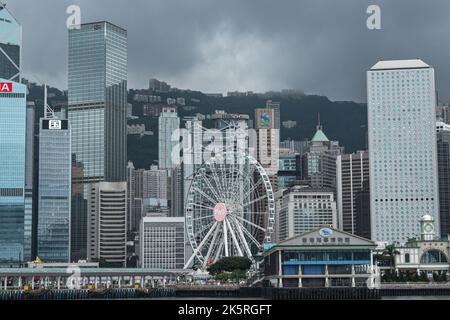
x=390, y=251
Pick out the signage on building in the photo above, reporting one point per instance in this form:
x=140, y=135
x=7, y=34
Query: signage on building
x=5, y=87
x=53, y=124
x=265, y=119
x=325, y=232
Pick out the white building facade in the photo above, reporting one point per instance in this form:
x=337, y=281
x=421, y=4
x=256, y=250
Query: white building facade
x=162, y=244
x=402, y=148
x=304, y=209
x=107, y=222
x=168, y=124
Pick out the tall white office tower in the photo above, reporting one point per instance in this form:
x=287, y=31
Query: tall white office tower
x=168, y=124
x=402, y=148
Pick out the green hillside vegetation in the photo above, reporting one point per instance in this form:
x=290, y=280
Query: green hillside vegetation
x=342, y=121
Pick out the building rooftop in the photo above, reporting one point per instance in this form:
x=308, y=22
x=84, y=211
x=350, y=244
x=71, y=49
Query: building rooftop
x=320, y=137
x=400, y=64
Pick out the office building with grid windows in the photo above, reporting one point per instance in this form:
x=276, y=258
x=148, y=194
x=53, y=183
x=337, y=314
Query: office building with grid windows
x=54, y=199
x=402, y=148
x=162, y=241
x=352, y=174
x=168, y=124
x=304, y=208
x=15, y=221
x=443, y=152
x=97, y=82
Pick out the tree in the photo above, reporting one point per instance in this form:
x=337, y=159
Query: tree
x=444, y=276
x=230, y=264
x=390, y=251
x=423, y=277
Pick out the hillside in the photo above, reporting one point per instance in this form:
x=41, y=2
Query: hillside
x=342, y=121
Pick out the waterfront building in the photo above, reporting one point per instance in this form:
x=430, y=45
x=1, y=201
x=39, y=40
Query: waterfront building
x=97, y=93
x=54, y=199
x=168, y=125
x=426, y=252
x=304, y=208
x=107, y=232
x=402, y=148
x=322, y=257
x=15, y=215
x=352, y=172
x=162, y=241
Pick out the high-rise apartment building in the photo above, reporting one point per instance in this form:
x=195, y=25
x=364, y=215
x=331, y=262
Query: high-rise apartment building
x=304, y=209
x=402, y=148
x=267, y=142
x=352, y=171
x=162, y=241
x=168, y=126
x=276, y=107
x=54, y=199
x=15, y=220
x=97, y=112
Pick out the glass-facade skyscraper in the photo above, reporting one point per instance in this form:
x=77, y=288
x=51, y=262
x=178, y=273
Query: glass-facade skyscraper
x=97, y=92
x=443, y=152
x=402, y=148
x=53, y=234
x=15, y=225
x=10, y=46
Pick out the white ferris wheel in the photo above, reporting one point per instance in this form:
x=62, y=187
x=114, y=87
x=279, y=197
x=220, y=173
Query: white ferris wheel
x=230, y=209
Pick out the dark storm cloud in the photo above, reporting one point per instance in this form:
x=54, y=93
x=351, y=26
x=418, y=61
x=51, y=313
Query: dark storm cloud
x=319, y=46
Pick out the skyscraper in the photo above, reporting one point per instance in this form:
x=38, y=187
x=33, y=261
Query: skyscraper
x=443, y=154
x=15, y=221
x=10, y=46
x=319, y=161
x=107, y=231
x=276, y=107
x=267, y=142
x=97, y=113
x=53, y=236
x=352, y=171
x=402, y=148
x=168, y=123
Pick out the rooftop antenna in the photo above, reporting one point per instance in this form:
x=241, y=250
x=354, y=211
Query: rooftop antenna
x=319, y=126
x=48, y=112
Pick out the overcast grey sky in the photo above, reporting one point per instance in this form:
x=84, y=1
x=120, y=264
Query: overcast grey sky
x=319, y=46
